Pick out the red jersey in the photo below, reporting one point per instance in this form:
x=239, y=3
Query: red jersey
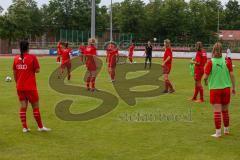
x=131, y=49
x=208, y=67
x=168, y=53
x=112, y=53
x=25, y=72
x=82, y=49
x=90, y=52
x=201, y=59
x=65, y=53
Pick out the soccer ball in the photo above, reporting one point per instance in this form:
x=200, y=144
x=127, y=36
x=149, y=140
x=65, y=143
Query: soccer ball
x=155, y=39
x=8, y=79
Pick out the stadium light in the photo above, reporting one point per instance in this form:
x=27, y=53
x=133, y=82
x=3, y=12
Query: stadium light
x=93, y=19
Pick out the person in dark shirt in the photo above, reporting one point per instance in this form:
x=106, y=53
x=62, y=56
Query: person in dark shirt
x=148, y=54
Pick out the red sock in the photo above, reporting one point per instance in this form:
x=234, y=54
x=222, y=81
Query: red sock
x=225, y=115
x=113, y=74
x=169, y=84
x=69, y=76
x=217, y=120
x=93, y=82
x=131, y=59
x=195, y=92
x=23, y=117
x=37, y=116
x=201, y=92
x=88, y=82
x=166, y=85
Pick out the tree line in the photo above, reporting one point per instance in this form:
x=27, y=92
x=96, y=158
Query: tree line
x=177, y=20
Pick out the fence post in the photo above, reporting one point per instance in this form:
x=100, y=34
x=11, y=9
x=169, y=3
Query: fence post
x=60, y=38
x=72, y=36
x=77, y=36
x=66, y=31
x=82, y=36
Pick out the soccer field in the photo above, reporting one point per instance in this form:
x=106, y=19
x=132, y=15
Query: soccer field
x=117, y=135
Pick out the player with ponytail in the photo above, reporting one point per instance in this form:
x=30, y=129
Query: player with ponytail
x=199, y=62
x=112, y=58
x=91, y=64
x=130, y=52
x=65, y=56
x=220, y=78
x=167, y=66
x=25, y=66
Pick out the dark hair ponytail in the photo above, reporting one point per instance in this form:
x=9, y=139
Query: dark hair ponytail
x=24, y=47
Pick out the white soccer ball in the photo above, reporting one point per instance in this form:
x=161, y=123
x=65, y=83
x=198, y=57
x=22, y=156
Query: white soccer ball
x=8, y=79
x=155, y=39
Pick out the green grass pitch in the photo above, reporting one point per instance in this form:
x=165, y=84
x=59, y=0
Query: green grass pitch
x=109, y=137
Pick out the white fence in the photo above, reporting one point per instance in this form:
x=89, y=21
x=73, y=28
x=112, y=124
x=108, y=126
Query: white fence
x=136, y=53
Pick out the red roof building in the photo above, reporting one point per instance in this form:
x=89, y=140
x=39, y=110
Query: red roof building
x=229, y=35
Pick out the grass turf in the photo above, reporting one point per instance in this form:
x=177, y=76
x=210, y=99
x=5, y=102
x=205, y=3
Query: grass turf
x=109, y=137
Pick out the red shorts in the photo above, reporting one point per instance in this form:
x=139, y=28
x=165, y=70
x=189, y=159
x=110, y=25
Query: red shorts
x=66, y=65
x=198, y=76
x=91, y=68
x=220, y=96
x=31, y=96
x=198, y=73
x=112, y=65
x=166, y=69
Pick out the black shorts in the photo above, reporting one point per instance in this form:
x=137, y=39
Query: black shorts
x=148, y=57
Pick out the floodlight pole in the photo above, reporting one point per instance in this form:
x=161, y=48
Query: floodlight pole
x=93, y=19
x=111, y=23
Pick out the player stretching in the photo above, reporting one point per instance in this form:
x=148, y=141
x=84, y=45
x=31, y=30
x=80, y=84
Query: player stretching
x=91, y=64
x=112, y=58
x=167, y=65
x=130, y=52
x=219, y=77
x=66, y=61
x=200, y=61
x=24, y=68
x=148, y=53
